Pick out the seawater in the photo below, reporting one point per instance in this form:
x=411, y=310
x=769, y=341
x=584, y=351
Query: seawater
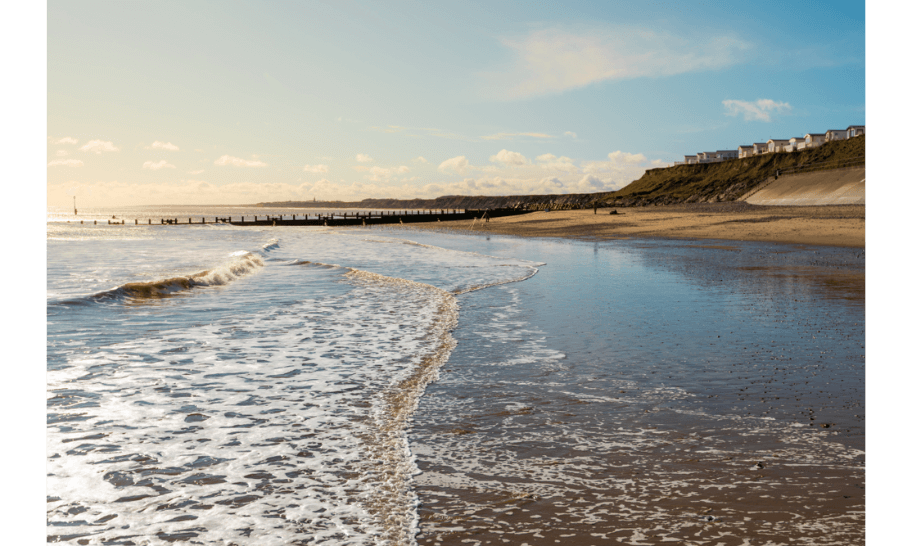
x=234, y=385
x=220, y=385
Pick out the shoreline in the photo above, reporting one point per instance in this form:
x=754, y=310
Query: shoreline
x=825, y=225
x=642, y=393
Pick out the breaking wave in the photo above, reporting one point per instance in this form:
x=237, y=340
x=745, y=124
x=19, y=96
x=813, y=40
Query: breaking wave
x=240, y=265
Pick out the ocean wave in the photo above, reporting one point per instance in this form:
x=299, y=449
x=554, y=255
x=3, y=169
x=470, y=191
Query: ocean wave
x=394, y=502
x=533, y=271
x=314, y=264
x=240, y=265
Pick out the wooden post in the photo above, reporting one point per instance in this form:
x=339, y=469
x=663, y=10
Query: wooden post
x=189, y=220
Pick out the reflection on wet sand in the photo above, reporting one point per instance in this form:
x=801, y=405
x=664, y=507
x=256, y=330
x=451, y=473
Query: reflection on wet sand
x=636, y=393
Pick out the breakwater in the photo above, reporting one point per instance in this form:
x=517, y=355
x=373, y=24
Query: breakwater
x=357, y=218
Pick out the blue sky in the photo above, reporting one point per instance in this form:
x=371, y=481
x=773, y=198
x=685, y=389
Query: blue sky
x=241, y=102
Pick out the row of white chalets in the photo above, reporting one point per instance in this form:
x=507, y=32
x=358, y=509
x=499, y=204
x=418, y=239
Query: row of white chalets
x=774, y=145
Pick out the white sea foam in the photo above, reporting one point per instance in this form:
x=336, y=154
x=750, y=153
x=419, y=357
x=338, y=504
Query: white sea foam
x=266, y=424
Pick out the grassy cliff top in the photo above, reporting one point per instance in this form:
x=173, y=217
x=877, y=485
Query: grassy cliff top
x=729, y=180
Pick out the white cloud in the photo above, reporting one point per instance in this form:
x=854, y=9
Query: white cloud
x=158, y=145
x=200, y=171
x=552, y=162
x=626, y=157
x=419, y=159
x=61, y=153
x=316, y=168
x=456, y=164
x=67, y=140
x=99, y=146
x=66, y=163
x=759, y=110
x=554, y=60
x=589, y=184
x=382, y=174
x=157, y=165
x=570, y=134
x=621, y=166
x=363, y=158
x=509, y=136
x=238, y=162
x=509, y=158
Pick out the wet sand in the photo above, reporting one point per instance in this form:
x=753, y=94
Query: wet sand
x=835, y=225
x=596, y=405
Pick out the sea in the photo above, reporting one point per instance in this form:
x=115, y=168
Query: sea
x=214, y=384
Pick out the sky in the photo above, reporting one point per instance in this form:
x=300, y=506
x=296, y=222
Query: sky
x=235, y=102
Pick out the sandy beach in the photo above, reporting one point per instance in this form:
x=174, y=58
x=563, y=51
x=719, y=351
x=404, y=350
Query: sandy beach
x=819, y=225
x=710, y=480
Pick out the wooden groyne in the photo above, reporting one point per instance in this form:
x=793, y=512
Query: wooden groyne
x=368, y=218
